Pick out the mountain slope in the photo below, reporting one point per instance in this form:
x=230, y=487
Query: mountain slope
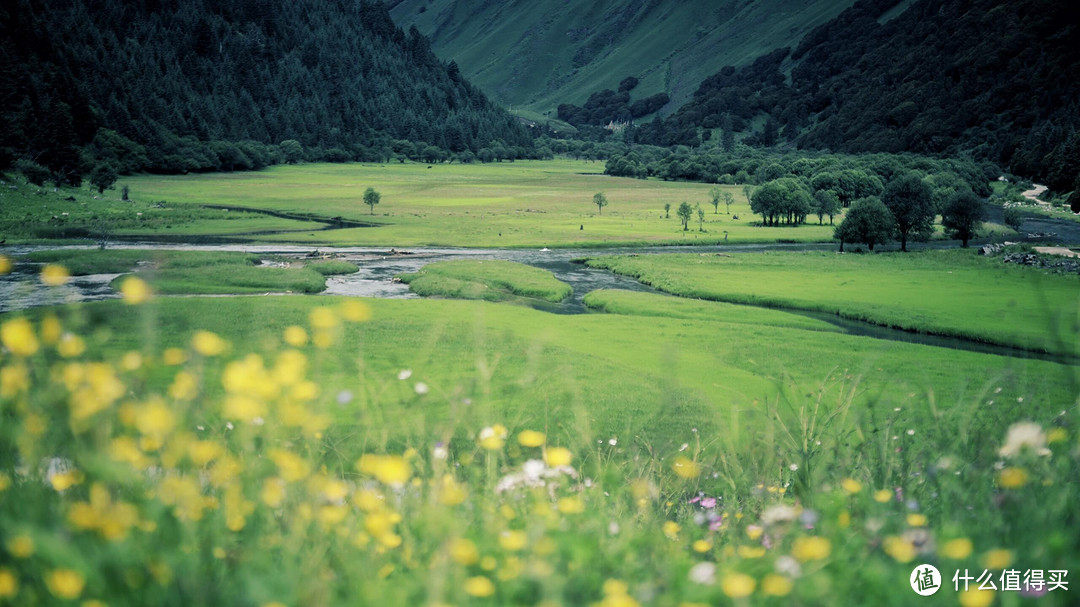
x=173, y=85
x=992, y=78
x=540, y=53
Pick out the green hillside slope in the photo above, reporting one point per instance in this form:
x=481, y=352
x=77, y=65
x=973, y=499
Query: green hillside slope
x=540, y=53
x=191, y=86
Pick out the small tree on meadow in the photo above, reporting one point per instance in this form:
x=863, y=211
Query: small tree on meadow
x=371, y=198
x=729, y=199
x=667, y=210
x=685, y=212
x=600, y=201
x=962, y=215
x=714, y=197
x=700, y=218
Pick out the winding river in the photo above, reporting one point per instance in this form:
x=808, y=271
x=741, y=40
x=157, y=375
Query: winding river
x=378, y=267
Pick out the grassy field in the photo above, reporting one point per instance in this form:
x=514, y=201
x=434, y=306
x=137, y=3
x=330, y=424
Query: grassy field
x=30, y=213
x=272, y=451
x=491, y=280
x=177, y=272
x=943, y=292
x=518, y=204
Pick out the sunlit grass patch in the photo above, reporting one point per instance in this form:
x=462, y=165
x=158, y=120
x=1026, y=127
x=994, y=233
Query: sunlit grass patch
x=490, y=280
x=331, y=267
x=956, y=293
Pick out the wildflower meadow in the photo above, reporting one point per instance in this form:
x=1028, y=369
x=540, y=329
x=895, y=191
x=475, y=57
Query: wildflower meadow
x=217, y=471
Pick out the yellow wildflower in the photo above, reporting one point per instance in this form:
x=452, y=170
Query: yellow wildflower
x=5, y=265
x=291, y=466
x=571, y=505
x=53, y=275
x=851, y=485
x=355, y=311
x=557, y=456
x=1056, y=435
x=957, y=549
x=63, y=481
x=135, y=290
x=1012, y=477
x=452, y=492
x=296, y=336
x=387, y=469
x=21, y=546
x=974, y=597
x=323, y=318
x=531, y=438
x=750, y=552
x=754, y=531
x=14, y=379
x=479, y=586
x=131, y=361
x=51, y=329
x=513, y=540
x=686, y=467
x=463, y=551
x=273, y=492
x=737, y=585
x=70, y=345
x=184, y=386
x=173, y=356
x=916, y=520
x=491, y=438
x=900, y=549
x=671, y=529
x=999, y=558
x=207, y=343
x=65, y=583
x=9, y=584
x=775, y=585
x=18, y=336
x=155, y=419
x=813, y=548
x=701, y=546
x=882, y=495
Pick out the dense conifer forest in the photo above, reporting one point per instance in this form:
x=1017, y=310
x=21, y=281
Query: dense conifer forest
x=170, y=86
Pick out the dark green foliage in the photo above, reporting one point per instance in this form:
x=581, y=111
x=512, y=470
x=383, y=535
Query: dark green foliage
x=826, y=202
x=291, y=151
x=372, y=198
x=868, y=221
x=600, y=201
x=784, y=200
x=194, y=86
x=34, y=172
x=103, y=177
x=940, y=78
x=684, y=213
x=963, y=215
x=608, y=106
x=910, y=200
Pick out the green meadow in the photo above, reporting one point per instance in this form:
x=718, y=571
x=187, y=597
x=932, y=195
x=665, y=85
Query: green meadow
x=719, y=443
x=492, y=280
x=507, y=204
x=957, y=293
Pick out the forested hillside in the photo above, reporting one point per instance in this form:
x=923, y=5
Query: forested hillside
x=540, y=53
x=170, y=85
x=990, y=78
